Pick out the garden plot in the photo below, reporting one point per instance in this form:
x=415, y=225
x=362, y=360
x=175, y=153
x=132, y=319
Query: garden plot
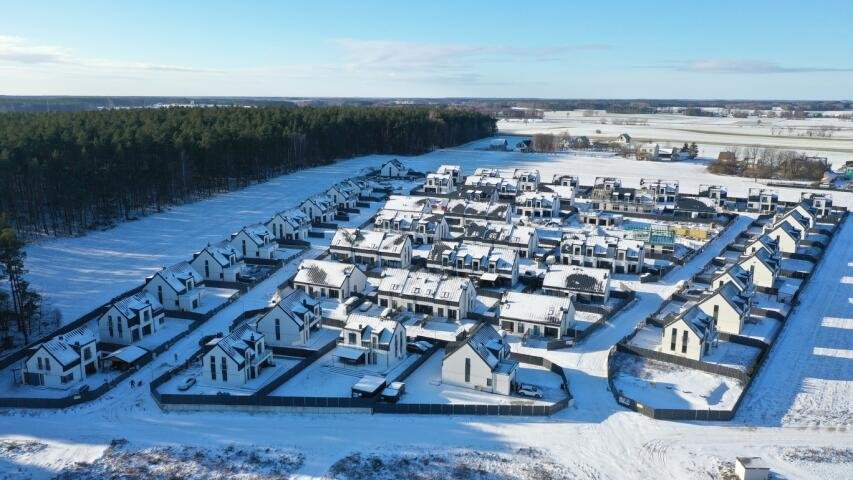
x=665, y=385
x=171, y=328
x=434, y=328
x=424, y=385
x=268, y=374
x=213, y=298
x=732, y=355
x=796, y=265
x=761, y=328
x=327, y=377
x=770, y=302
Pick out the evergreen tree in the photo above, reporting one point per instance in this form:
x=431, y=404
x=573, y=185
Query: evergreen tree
x=24, y=303
x=694, y=150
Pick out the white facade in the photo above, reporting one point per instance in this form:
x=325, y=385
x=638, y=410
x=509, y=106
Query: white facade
x=619, y=255
x=218, y=262
x=470, y=259
x=319, y=208
x=536, y=315
x=421, y=228
x=176, y=287
x=538, y=205
x=131, y=319
x=290, y=225
x=381, y=341
x=481, y=362
x=235, y=359
x=427, y=293
x=393, y=168
x=785, y=236
x=590, y=285
x=291, y=321
x=63, y=361
x=373, y=248
x=763, y=267
x=689, y=334
x=439, y=183
x=254, y=241
x=729, y=308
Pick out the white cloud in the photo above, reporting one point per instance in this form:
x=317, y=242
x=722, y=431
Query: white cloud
x=737, y=66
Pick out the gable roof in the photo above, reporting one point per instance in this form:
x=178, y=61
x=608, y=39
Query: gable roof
x=178, y=275
x=323, y=273
x=733, y=295
x=383, y=242
x=367, y=326
x=698, y=321
x=257, y=233
x=65, y=348
x=487, y=343
x=398, y=282
x=764, y=257
x=577, y=279
x=498, y=232
x=220, y=251
x=546, y=309
x=130, y=306
x=236, y=343
x=293, y=217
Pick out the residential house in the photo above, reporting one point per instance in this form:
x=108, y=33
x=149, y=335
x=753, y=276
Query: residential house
x=762, y=200
x=528, y=180
x=421, y=228
x=455, y=172
x=584, y=284
x=218, y=262
x=523, y=239
x=794, y=217
x=819, y=203
x=427, y=293
x=536, y=315
x=290, y=321
x=236, y=358
x=62, y=361
x=653, y=196
x=394, y=169
x=459, y=212
x=319, y=208
x=128, y=320
x=290, y=224
x=176, y=287
x=370, y=247
x=481, y=192
x=415, y=204
x=566, y=180
x=734, y=274
x=370, y=340
x=786, y=236
x=623, y=139
x=487, y=183
x=498, y=144
x=439, y=184
x=538, y=205
x=344, y=194
x=619, y=255
x=764, y=268
x=480, y=362
x=729, y=307
x=254, y=241
x=765, y=241
x=648, y=151
x=689, y=333
x=717, y=194
x=488, y=264
x=329, y=279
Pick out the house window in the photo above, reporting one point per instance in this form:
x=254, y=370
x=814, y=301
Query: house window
x=224, y=366
x=451, y=314
x=716, y=313
x=38, y=360
x=684, y=338
x=277, y=329
x=352, y=339
x=87, y=353
x=206, y=269
x=68, y=378
x=160, y=293
x=488, y=382
x=120, y=327
x=673, y=339
x=467, y=370
x=47, y=364
x=110, y=325
x=212, y=367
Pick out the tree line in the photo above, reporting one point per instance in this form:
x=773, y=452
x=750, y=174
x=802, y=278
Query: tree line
x=772, y=163
x=66, y=172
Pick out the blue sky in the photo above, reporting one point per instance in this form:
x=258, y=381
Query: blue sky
x=630, y=49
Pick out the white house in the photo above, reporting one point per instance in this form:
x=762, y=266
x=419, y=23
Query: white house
x=290, y=224
x=254, y=241
x=734, y=274
x=751, y=468
x=498, y=144
x=523, y=239
x=131, y=318
x=490, y=185
x=648, y=151
x=807, y=213
x=764, y=268
x=62, y=361
x=528, y=180
x=795, y=219
x=762, y=200
x=236, y=358
x=619, y=255
x=585, y=284
x=536, y=315
x=393, y=168
x=455, y=172
x=344, y=194
x=291, y=321
x=460, y=211
x=538, y=205
x=566, y=180
x=764, y=241
x=427, y=293
x=176, y=287
x=371, y=247
x=439, y=183
x=218, y=261
x=729, y=307
x=786, y=236
x=329, y=279
x=819, y=203
x=319, y=208
x=379, y=341
x=689, y=334
x=480, y=362
x=623, y=139
x=487, y=263
x=421, y=228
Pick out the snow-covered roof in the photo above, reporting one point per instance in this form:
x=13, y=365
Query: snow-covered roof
x=408, y=221
x=238, y=342
x=547, y=309
x=769, y=260
x=296, y=305
x=499, y=232
x=504, y=258
x=490, y=210
x=368, y=326
x=323, y=273
x=489, y=345
x=65, y=348
x=577, y=279
x=449, y=169
x=128, y=354
x=601, y=244
x=383, y=242
x=406, y=203
x=130, y=306
x=257, y=233
x=547, y=199
x=740, y=276
x=730, y=292
x=700, y=322
x=221, y=252
x=178, y=275
x=429, y=286
x=295, y=217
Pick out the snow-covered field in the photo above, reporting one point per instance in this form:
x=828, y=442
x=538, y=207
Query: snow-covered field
x=806, y=381
x=713, y=134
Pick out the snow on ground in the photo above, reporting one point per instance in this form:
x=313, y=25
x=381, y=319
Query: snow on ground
x=808, y=377
x=665, y=385
x=268, y=374
x=712, y=134
x=761, y=328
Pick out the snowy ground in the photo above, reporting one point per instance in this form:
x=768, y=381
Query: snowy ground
x=665, y=385
x=268, y=374
x=806, y=381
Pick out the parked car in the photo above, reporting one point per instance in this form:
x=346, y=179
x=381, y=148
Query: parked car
x=367, y=305
x=187, y=384
x=421, y=346
x=246, y=277
x=527, y=390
